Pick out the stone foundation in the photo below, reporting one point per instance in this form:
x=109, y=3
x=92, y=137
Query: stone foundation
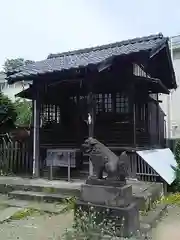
x=126, y=216
x=111, y=200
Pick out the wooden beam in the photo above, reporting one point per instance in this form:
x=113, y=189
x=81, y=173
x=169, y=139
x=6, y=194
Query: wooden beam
x=160, y=87
x=158, y=123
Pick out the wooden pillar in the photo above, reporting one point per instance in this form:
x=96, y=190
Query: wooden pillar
x=36, y=125
x=132, y=96
x=91, y=113
x=91, y=124
x=134, y=124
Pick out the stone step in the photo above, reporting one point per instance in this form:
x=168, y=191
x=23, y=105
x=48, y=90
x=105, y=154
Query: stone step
x=37, y=196
x=71, y=189
x=84, y=173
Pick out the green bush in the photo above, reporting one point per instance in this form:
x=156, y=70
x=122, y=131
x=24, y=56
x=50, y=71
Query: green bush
x=24, y=112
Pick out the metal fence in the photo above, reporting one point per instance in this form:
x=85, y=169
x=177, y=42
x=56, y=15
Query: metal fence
x=14, y=159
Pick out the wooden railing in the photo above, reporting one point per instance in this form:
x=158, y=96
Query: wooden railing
x=138, y=168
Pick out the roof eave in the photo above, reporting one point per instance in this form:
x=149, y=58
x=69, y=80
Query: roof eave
x=174, y=83
x=156, y=50
x=156, y=81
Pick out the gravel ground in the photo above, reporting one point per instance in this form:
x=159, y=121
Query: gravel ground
x=43, y=227
x=51, y=227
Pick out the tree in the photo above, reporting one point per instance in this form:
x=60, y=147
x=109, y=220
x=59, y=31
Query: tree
x=11, y=65
x=8, y=113
x=176, y=184
x=23, y=107
x=177, y=153
x=24, y=112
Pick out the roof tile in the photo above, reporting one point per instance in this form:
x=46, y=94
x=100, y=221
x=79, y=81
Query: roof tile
x=88, y=56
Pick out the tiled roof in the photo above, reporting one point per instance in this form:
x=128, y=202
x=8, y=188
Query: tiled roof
x=90, y=56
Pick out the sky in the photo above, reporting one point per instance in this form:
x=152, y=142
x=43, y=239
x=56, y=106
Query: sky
x=32, y=29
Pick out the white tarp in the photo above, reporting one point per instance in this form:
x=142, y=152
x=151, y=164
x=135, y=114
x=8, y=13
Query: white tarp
x=161, y=160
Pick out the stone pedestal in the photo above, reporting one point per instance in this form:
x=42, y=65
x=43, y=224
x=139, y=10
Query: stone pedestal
x=113, y=200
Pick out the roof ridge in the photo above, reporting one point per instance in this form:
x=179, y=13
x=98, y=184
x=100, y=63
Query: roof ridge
x=104, y=46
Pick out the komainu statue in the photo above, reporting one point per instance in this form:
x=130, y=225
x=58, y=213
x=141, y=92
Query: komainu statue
x=105, y=161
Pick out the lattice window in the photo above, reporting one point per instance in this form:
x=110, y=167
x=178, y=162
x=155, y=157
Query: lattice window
x=108, y=102
x=50, y=113
x=103, y=102
x=122, y=103
x=99, y=103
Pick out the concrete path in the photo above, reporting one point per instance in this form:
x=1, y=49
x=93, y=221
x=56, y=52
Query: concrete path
x=43, y=227
x=169, y=226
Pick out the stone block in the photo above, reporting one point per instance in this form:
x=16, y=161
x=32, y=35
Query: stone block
x=107, y=195
x=105, y=182
x=126, y=218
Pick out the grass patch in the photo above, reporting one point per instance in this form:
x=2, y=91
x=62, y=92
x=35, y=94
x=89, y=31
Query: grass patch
x=24, y=213
x=172, y=199
x=69, y=204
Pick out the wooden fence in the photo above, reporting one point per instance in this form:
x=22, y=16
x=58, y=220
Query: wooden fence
x=14, y=159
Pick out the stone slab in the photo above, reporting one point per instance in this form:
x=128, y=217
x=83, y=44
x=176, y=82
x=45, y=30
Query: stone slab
x=7, y=213
x=37, y=196
x=107, y=195
x=130, y=214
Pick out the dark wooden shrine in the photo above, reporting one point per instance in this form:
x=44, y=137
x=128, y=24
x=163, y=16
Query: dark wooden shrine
x=116, y=85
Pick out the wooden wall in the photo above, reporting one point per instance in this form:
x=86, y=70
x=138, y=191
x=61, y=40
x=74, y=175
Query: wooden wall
x=114, y=122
